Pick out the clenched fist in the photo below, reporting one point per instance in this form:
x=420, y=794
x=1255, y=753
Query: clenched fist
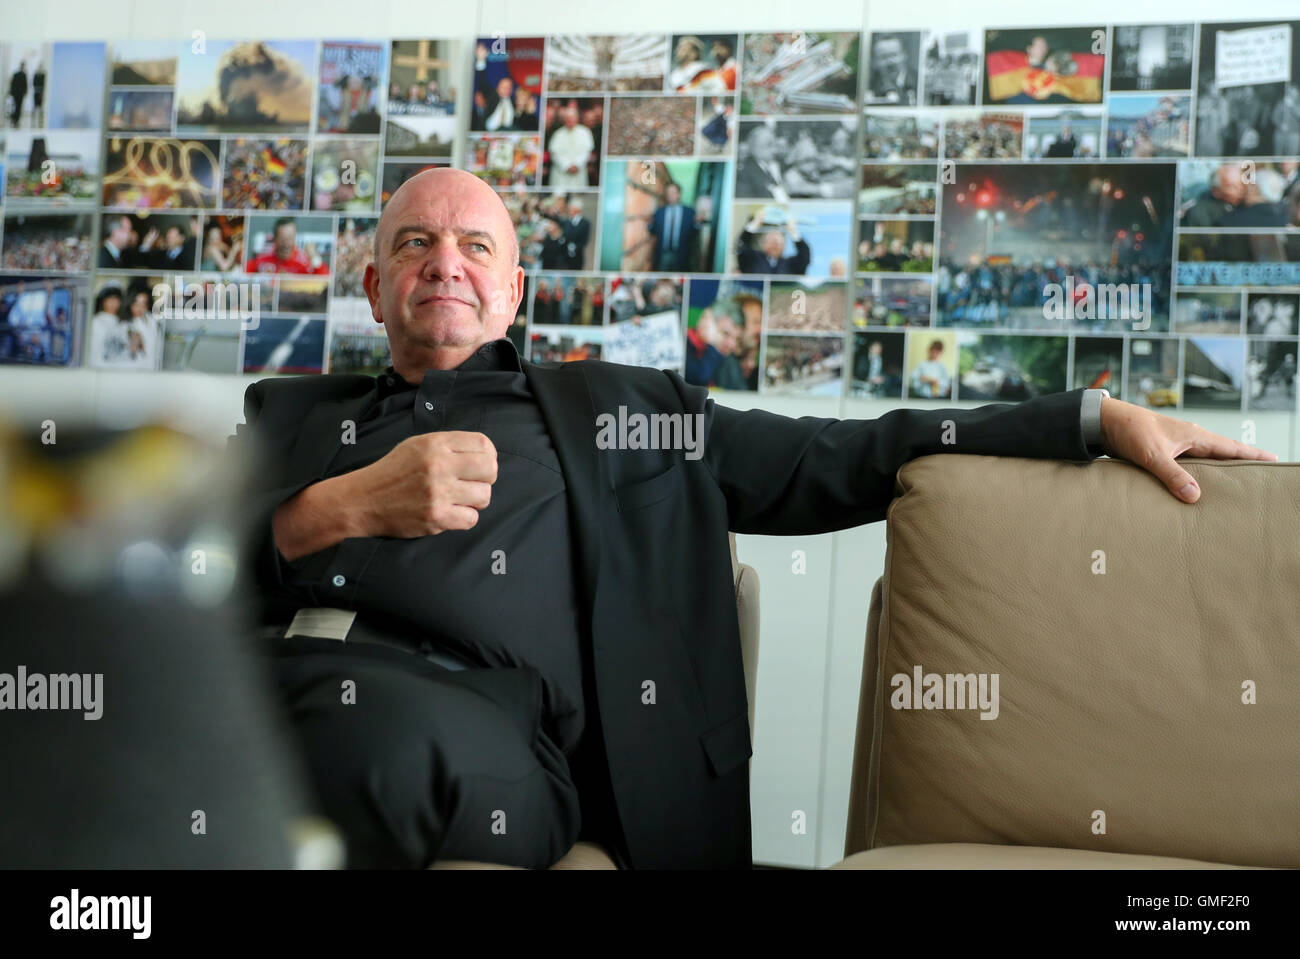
x=428, y=484
x=425, y=485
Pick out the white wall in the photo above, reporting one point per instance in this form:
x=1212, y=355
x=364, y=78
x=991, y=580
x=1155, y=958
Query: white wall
x=813, y=624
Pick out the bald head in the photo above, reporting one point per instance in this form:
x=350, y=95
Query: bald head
x=445, y=278
x=514, y=240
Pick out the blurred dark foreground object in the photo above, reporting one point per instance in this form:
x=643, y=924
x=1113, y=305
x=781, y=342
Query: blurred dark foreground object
x=122, y=600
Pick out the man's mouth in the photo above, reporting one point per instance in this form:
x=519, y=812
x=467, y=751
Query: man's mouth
x=442, y=298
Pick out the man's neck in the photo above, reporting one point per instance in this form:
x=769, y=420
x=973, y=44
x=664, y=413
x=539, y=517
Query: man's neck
x=438, y=358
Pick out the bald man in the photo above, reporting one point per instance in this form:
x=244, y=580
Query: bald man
x=538, y=618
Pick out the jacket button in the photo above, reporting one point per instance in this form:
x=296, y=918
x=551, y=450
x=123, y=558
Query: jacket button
x=339, y=580
x=428, y=405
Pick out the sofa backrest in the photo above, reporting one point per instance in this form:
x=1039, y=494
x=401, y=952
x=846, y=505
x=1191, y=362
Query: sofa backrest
x=1146, y=655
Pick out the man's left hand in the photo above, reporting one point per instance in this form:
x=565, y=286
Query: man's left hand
x=1153, y=442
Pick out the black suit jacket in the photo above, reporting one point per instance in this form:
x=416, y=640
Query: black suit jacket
x=753, y=180
x=654, y=564
x=686, y=230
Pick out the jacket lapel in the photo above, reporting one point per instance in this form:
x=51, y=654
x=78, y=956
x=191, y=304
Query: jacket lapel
x=564, y=396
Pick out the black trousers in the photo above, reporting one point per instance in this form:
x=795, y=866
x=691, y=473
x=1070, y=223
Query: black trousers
x=415, y=762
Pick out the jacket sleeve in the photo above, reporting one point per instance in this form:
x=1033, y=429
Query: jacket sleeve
x=786, y=476
x=263, y=491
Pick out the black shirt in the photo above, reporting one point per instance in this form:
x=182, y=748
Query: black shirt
x=500, y=594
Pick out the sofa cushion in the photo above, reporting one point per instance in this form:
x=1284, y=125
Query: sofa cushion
x=1127, y=633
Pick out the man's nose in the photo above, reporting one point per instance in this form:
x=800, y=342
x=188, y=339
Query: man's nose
x=444, y=261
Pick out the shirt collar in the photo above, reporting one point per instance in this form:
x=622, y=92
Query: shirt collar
x=498, y=355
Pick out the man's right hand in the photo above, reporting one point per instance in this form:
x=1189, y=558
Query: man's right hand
x=428, y=484
x=423, y=486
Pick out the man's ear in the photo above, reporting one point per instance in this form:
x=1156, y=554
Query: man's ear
x=371, y=282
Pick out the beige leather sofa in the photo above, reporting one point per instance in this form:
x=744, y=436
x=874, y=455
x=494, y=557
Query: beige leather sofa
x=588, y=855
x=1148, y=697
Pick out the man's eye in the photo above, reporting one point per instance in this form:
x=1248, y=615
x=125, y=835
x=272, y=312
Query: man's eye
x=414, y=239
x=481, y=246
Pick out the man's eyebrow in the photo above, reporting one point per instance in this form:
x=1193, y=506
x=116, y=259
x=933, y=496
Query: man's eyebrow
x=415, y=228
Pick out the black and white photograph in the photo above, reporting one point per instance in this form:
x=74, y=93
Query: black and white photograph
x=1151, y=56
x=893, y=69
x=1270, y=375
x=1248, y=85
x=784, y=159
x=953, y=61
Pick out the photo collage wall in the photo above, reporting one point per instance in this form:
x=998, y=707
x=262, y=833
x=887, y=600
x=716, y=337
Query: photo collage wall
x=979, y=215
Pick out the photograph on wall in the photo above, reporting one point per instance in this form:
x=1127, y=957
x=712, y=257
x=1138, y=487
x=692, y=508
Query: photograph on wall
x=1099, y=363
x=893, y=69
x=345, y=175
x=1248, y=86
x=417, y=135
x=422, y=78
x=222, y=248
x=572, y=132
x=1151, y=56
x=75, y=88
x=395, y=174
x=781, y=159
x=565, y=344
x=645, y=322
x=715, y=126
x=902, y=136
x=1238, y=259
x=207, y=342
x=507, y=84
x=703, y=63
x=651, y=126
x=302, y=294
x=1207, y=311
x=724, y=332
x=49, y=170
x=665, y=216
x=801, y=238
x=1152, y=372
x=40, y=319
x=801, y=72
x=47, y=241
x=1144, y=126
x=895, y=246
x=268, y=174
x=353, y=249
x=1271, y=314
x=148, y=241
x=976, y=135
x=808, y=306
x=578, y=63
x=159, y=173
x=892, y=301
x=125, y=332
x=350, y=86
x=1270, y=374
x=803, y=365
x=140, y=111
x=1057, y=246
x=285, y=344
x=505, y=161
x=555, y=230
x=1009, y=368
x=1213, y=372
x=1238, y=194
x=877, y=372
x=952, y=67
x=931, y=364
x=910, y=189
x=289, y=244
x=1068, y=134
x=1051, y=65
x=245, y=86
x=357, y=344
x=27, y=75
x=142, y=63
x=568, y=301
